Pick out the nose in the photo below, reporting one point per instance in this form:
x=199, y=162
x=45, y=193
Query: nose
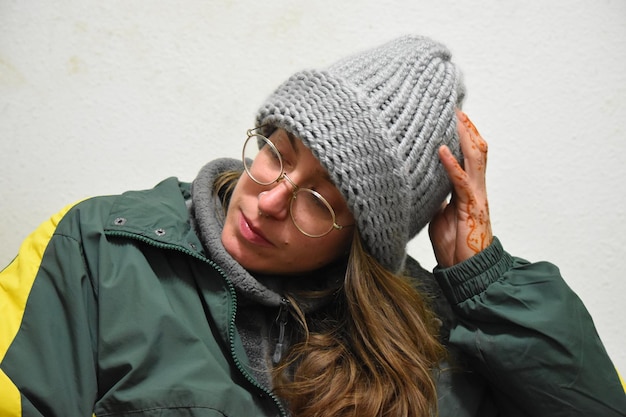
x=275, y=201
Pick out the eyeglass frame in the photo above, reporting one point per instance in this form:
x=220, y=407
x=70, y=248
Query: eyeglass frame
x=253, y=132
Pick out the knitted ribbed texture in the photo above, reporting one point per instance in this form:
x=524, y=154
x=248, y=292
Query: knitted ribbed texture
x=375, y=121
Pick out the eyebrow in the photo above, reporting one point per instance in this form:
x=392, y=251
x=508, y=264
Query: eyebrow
x=326, y=176
x=292, y=140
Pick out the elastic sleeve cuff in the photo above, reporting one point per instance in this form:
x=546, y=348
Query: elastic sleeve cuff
x=472, y=276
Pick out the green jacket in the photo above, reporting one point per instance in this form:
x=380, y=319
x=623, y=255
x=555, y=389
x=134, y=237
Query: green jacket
x=111, y=308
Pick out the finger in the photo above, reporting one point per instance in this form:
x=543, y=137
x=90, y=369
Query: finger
x=457, y=175
x=451, y=164
x=473, y=146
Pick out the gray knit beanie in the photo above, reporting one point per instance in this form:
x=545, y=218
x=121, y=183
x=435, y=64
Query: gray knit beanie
x=375, y=121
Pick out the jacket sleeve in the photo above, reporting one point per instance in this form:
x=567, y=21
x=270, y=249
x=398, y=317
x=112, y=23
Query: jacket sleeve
x=530, y=336
x=47, y=326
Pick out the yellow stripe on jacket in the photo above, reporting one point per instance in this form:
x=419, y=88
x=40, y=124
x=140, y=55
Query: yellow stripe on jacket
x=16, y=282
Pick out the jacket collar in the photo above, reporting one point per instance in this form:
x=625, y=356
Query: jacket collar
x=159, y=216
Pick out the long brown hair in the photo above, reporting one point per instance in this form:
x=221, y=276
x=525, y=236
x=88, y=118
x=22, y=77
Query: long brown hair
x=372, y=352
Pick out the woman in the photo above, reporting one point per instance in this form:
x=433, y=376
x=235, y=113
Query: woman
x=275, y=285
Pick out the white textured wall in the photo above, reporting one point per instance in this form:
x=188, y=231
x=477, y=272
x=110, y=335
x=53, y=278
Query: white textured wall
x=98, y=97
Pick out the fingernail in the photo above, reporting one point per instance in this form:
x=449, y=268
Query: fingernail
x=467, y=122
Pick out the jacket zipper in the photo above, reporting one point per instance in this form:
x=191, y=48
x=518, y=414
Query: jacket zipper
x=232, y=327
x=283, y=316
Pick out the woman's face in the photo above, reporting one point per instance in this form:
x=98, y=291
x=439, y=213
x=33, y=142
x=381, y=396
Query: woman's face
x=258, y=231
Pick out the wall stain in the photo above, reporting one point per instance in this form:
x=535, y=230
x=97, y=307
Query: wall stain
x=287, y=22
x=9, y=75
x=76, y=66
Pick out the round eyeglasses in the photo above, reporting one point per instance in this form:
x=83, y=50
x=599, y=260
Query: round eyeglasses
x=310, y=212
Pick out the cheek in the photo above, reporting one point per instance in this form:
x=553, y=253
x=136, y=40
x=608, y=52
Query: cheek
x=228, y=237
x=244, y=189
x=345, y=245
x=336, y=246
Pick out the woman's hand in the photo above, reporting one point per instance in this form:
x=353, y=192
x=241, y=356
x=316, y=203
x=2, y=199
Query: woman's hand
x=462, y=228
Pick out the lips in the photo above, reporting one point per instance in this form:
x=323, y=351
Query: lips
x=252, y=233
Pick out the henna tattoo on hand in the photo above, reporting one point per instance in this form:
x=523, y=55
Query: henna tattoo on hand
x=478, y=223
